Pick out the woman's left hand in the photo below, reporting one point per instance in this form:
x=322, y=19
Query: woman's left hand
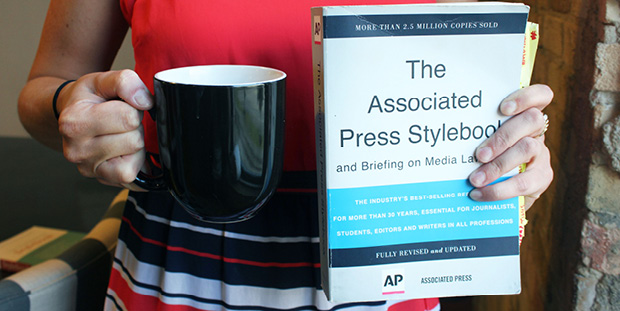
x=519, y=140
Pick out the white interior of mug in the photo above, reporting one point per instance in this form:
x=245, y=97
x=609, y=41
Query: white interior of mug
x=220, y=75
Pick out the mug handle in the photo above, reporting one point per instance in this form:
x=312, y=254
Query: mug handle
x=151, y=181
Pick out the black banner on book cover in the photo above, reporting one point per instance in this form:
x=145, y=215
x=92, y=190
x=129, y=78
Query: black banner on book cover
x=354, y=26
x=427, y=251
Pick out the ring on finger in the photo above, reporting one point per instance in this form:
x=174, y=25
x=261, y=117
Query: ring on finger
x=546, y=118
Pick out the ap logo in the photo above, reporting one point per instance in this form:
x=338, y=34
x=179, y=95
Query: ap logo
x=317, y=29
x=393, y=281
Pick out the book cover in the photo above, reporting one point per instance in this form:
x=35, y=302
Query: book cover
x=35, y=245
x=403, y=96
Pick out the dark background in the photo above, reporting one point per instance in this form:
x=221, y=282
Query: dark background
x=39, y=187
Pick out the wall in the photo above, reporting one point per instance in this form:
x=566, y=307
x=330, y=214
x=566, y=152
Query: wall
x=598, y=274
x=38, y=186
x=21, y=22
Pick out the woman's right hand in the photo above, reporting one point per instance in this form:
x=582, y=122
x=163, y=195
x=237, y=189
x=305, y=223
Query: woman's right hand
x=101, y=125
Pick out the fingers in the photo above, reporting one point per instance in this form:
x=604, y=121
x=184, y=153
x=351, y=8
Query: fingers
x=121, y=170
x=517, y=141
x=100, y=123
x=531, y=183
x=88, y=154
x=526, y=107
x=100, y=87
x=536, y=96
x=89, y=119
x=523, y=152
x=529, y=123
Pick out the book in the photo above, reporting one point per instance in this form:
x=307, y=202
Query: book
x=35, y=245
x=404, y=94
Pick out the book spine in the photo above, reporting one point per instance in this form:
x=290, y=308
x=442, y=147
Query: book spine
x=319, y=113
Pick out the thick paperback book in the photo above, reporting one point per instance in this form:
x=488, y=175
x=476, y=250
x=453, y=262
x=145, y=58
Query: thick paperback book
x=35, y=245
x=403, y=96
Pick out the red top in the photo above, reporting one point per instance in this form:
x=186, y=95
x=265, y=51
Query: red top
x=275, y=34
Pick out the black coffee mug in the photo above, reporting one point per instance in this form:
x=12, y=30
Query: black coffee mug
x=221, y=138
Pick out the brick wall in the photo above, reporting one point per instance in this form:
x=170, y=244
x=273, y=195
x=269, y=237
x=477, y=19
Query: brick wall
x=598, y=273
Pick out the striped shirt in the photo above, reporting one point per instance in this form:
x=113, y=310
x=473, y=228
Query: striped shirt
x=167, y=260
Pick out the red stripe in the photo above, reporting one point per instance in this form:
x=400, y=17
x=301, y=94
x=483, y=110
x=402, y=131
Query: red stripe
x=416, y=305
x=219, y=257
x=135, y=301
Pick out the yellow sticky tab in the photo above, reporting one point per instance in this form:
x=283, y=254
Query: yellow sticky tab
x=529, y=52
x=530, y=46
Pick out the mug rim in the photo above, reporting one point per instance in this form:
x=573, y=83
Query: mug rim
x=190, y=75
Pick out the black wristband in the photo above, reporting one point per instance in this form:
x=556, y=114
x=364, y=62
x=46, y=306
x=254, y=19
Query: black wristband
x=56, y=113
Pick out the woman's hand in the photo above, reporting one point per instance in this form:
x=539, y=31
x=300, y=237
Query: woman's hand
x=519, y=140
x=101, y=125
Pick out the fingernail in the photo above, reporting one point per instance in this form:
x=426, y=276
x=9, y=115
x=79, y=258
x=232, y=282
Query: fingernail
x=477, y=179
x=475, y=194
x=507, y=108
x=142, y=100
x=484, y=154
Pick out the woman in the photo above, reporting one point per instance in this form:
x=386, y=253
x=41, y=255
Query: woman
x=165, y=258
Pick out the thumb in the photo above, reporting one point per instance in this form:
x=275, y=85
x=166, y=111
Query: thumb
x=127, y=85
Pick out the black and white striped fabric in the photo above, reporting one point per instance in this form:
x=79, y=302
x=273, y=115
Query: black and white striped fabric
x=75, y=280
x=167, y=260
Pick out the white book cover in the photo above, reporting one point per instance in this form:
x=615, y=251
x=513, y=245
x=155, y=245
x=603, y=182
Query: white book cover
x=403, y=96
